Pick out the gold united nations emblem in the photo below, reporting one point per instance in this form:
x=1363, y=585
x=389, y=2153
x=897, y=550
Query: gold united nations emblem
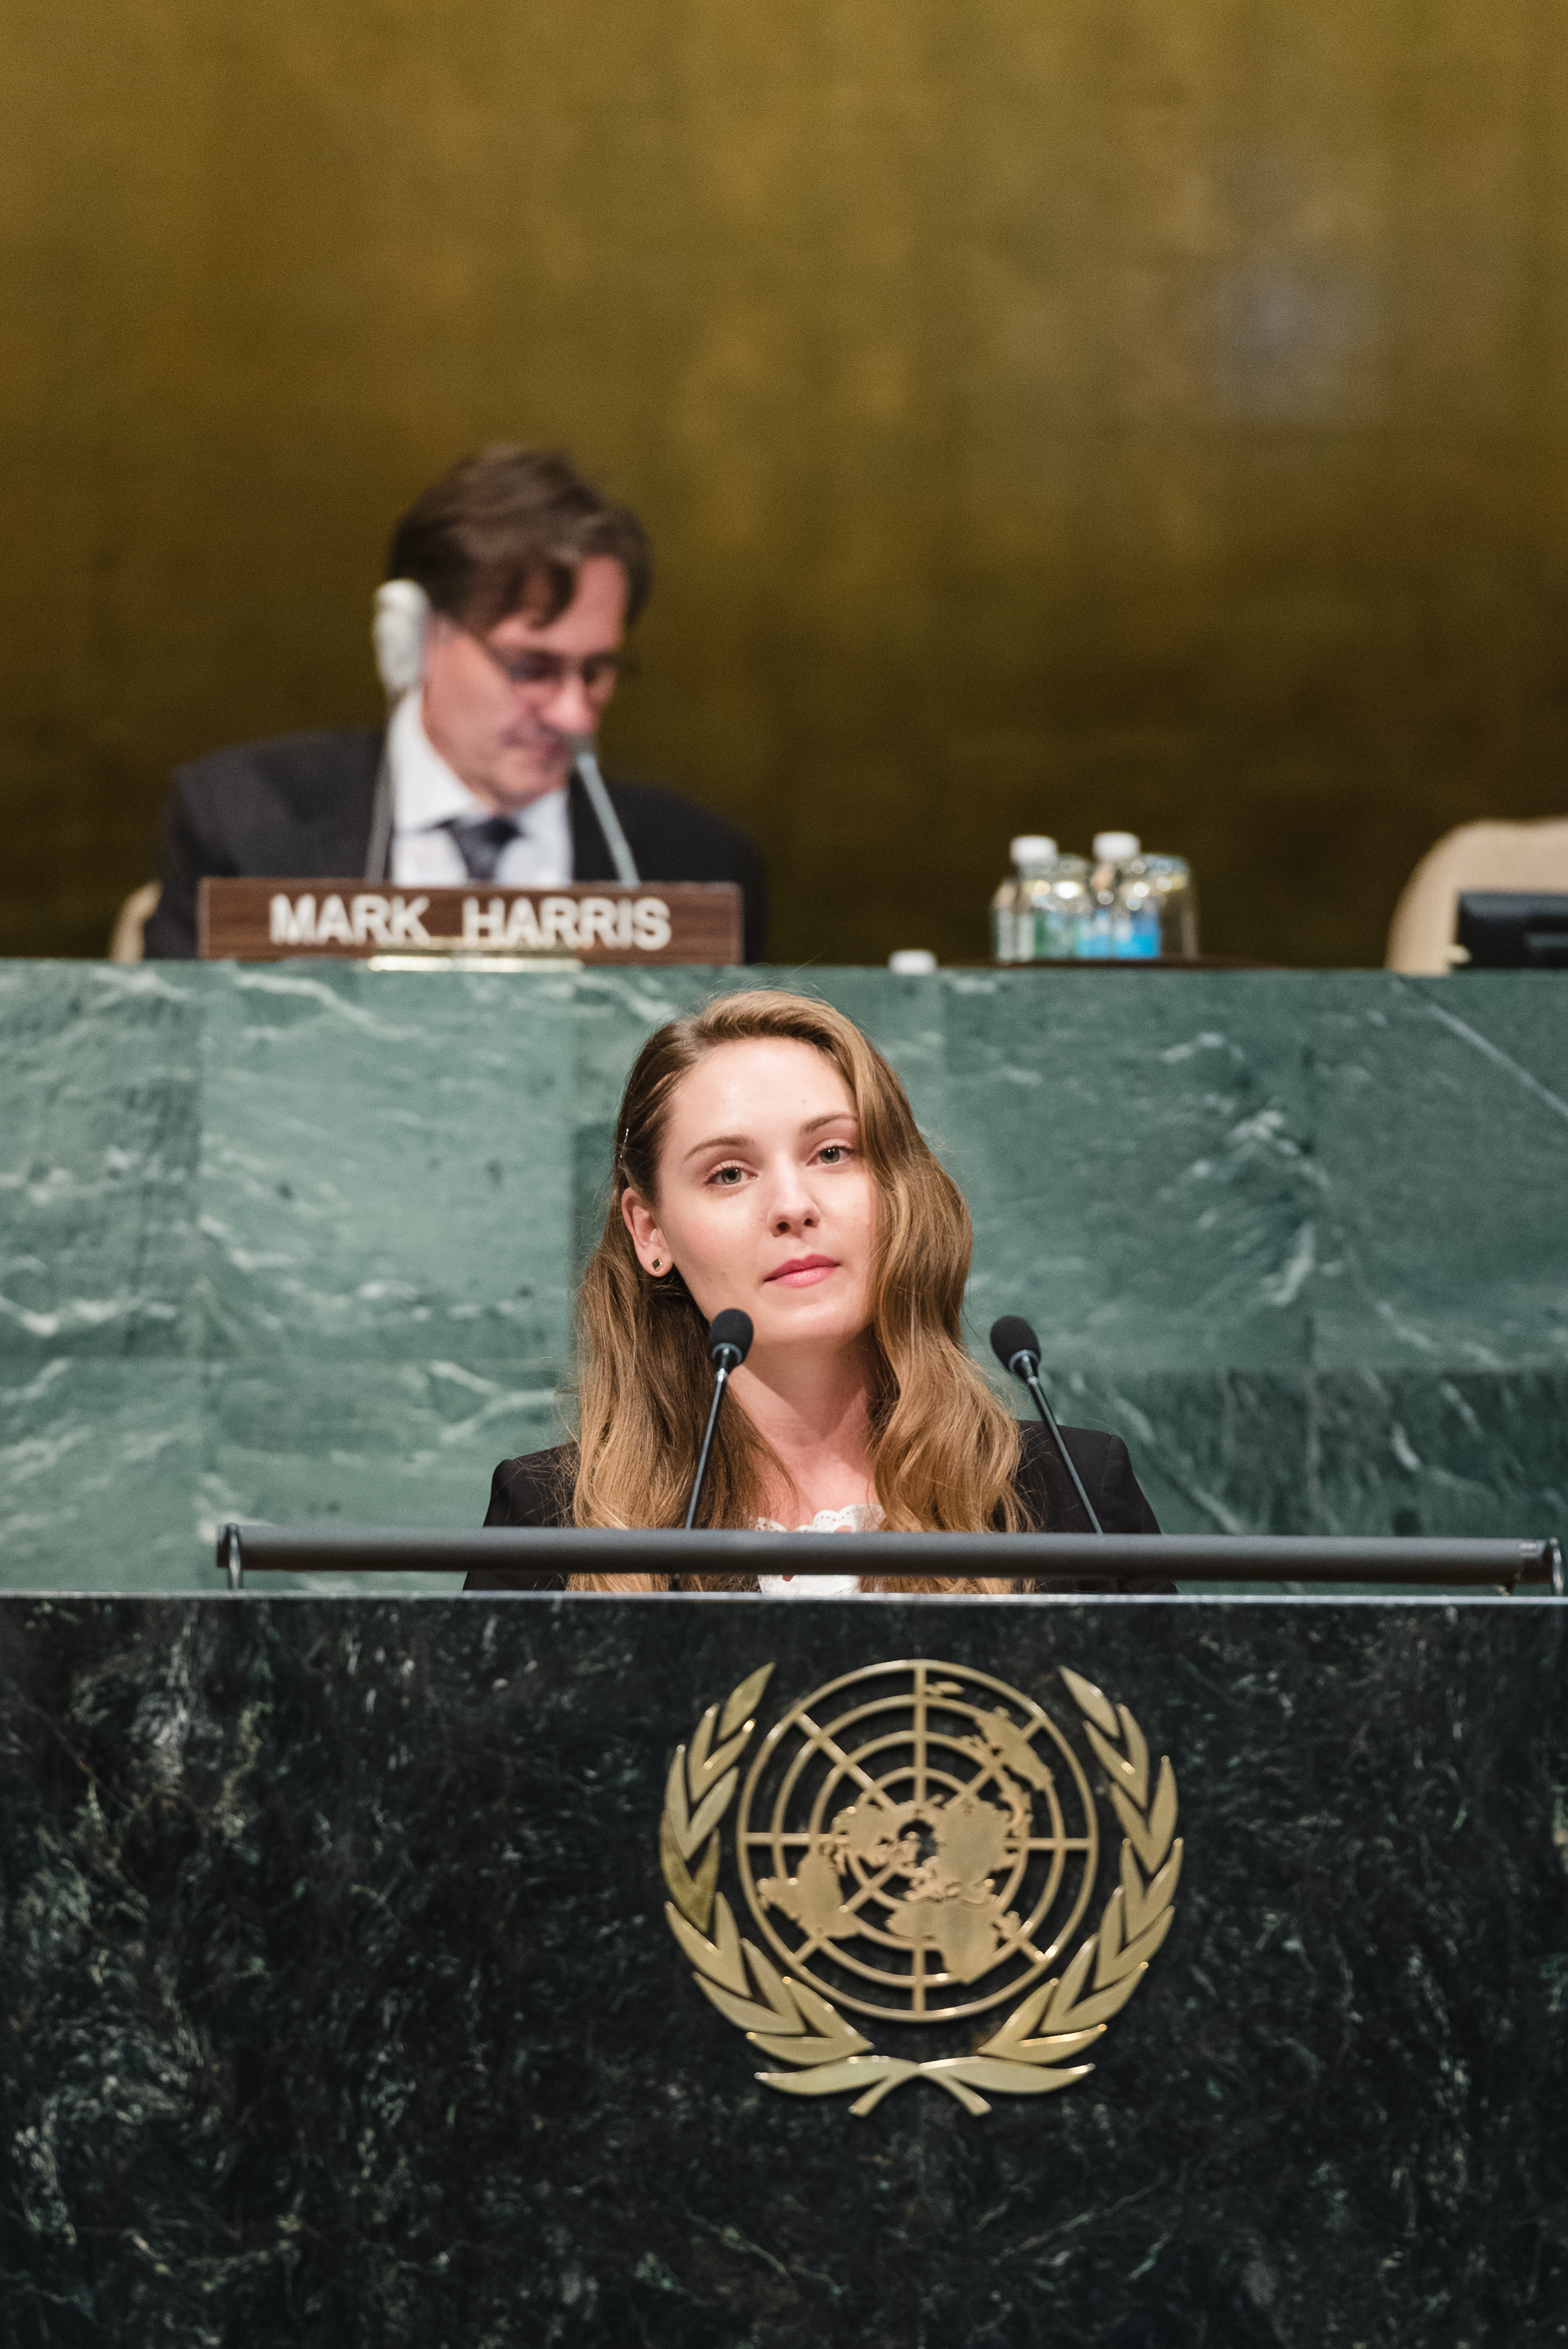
x=918, y=1843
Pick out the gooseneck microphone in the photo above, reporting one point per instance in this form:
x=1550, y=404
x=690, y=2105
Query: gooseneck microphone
x=605, y=814
x=1017, y=1350
x=729, y=1344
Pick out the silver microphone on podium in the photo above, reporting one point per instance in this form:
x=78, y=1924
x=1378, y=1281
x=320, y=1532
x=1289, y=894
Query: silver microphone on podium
x=604, y=816
x=1017, y=1350
x=729, y=1344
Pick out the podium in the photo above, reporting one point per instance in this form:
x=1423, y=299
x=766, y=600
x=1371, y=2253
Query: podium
x=701, y=1970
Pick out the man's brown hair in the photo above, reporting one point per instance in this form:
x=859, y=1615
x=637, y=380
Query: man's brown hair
x=506, y=529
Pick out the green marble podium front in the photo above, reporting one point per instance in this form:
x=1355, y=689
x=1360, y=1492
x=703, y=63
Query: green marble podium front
x=373, y=1972
x=299, y=1242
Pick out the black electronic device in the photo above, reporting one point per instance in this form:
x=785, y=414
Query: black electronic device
x=1513, y=929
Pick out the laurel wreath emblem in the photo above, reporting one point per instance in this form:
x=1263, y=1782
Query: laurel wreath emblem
x=792, y=2025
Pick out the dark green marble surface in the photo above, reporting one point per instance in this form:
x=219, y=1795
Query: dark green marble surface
x=339, y=2009
x=300, y=1240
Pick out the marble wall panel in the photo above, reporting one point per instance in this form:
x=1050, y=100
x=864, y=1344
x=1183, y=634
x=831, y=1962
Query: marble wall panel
x=100, y=1466
x=1337, y=1452
x=372, y=1441
x=1441, y=1132
x=1220, y=1452
x=99, y=1120
x=1455, y=1451
x=1136, y=1156
x=1298, y=1238
x=386, y=1165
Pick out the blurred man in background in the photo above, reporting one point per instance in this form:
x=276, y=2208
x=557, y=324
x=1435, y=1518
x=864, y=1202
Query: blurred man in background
x=511, y=585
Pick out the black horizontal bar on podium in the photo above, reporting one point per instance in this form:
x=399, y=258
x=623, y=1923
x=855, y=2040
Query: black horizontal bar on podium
x=1013, y=1557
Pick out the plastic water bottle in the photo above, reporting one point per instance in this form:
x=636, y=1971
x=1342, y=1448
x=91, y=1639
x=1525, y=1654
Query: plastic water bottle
x=1051, y=906
x=1031, y=854
x=1001, y=919
x=1142, y=907
x=1121, y=925
x=1035, y=917
x=1168, y=881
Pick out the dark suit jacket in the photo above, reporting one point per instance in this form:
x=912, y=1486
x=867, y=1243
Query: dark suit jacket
x=536, y=1490
x=299, y=806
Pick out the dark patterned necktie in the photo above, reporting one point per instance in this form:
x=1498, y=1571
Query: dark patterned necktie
x=482, y=842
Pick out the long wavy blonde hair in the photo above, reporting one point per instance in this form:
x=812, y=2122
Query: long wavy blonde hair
x=944, y=1449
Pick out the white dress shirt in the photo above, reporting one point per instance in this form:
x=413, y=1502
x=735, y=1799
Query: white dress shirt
x=427, y=795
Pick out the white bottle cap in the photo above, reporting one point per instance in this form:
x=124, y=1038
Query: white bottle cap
x=914, y=962
x=1032, y=848
x=1111, y=847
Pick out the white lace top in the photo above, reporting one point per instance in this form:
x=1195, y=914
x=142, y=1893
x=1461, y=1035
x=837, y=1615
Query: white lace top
x=856, y=1519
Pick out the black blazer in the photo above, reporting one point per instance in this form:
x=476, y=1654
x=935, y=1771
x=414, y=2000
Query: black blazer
x=536, y=1490
x=300, y=806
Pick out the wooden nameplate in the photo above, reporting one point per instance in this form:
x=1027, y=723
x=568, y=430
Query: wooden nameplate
x=352, y=921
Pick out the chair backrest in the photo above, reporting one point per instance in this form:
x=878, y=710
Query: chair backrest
x=125, y=939
x=1475, y=857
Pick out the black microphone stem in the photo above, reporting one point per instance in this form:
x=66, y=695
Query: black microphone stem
x=729, y=1335
x=720, y=1381
x=1031, y=1378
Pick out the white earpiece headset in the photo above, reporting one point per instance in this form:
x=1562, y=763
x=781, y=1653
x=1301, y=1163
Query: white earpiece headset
x=397, y=632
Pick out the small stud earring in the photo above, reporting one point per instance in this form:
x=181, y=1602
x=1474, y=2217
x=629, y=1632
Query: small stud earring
x=655, y=1264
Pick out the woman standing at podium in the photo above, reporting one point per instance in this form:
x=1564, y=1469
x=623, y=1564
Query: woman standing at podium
x=766, y=1158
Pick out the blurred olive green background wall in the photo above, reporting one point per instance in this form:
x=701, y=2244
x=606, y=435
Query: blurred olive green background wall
x=1050, y=413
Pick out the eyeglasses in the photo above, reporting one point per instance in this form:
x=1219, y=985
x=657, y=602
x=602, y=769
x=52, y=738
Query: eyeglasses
x=530, y=670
